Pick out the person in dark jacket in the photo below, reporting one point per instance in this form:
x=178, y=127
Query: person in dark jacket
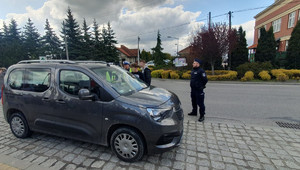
x=135, y=71
x=198, y=83
x=146, y=71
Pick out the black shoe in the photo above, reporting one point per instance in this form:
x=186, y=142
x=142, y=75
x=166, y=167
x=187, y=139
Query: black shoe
x=201, y=119
x=192, y=114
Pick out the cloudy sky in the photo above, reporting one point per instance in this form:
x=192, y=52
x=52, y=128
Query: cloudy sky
x=133, y=18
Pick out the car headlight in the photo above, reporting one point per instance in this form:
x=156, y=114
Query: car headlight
x=157, y=114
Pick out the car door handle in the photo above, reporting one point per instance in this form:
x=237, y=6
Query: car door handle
x=46, y=99
x=61, y=101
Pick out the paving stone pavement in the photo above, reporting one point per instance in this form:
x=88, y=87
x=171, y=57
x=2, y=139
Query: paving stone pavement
x=208, y=145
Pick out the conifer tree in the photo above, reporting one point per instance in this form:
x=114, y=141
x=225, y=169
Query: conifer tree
x=293, y=51
x=266, y=48
x=109, y=43
x=13, y=51
x=98, y=49
x=32, y=42
x=51, y=43
x=71, y=34
x=240, y=53
x=158, y=55
x=86, y=42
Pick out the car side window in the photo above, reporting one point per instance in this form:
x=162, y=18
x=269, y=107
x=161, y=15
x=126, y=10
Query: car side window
x=37, y=80
x=72, y=81
x=15, y=80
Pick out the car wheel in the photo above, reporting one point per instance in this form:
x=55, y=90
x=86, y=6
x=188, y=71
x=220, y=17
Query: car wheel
x=127, y=144
x=19, y=126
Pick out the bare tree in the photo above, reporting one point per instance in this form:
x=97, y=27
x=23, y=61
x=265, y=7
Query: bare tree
x=212, y=44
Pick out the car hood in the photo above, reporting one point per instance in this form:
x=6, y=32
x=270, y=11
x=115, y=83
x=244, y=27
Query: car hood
x=149, y=97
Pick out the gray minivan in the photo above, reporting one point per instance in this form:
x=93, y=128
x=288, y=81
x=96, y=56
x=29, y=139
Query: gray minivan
x=93, y=102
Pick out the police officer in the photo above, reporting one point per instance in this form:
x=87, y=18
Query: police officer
x=126, y=65
x=198, y=82
x=146, y=71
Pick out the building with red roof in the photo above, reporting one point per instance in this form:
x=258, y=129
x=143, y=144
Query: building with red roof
x=126, y=54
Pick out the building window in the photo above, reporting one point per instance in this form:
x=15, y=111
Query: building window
x=276, y=25
x=286, y=45
x=291, y=19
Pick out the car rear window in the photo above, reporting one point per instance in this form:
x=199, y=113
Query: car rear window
x=35, y=80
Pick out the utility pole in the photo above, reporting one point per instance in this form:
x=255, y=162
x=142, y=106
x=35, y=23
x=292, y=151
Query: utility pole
x=138, y=53
x=66, y=41
x=229, y=55
x=209, y=20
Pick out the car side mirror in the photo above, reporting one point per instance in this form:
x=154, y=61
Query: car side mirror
x=85, y=94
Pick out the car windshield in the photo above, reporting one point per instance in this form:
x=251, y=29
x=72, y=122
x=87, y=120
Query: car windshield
x=120, y=80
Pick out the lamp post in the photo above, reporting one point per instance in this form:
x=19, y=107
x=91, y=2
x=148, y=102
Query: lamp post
x=175, y=44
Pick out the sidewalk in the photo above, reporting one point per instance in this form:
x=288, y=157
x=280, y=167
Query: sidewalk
x=209, y=145
x=11, y=163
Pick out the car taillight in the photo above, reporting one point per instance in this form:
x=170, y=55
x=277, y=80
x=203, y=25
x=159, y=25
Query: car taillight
x=2, y=94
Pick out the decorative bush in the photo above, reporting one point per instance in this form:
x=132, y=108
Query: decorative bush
x=174, y=75
x=217, y=72
x=264, y=75
x=165, y=74
x=222, y=75
x=249, y=75
x=255, y=67
x=282, y=77
x=156, y=73
x=275, y=72
x=293, y=74
x=186, y=75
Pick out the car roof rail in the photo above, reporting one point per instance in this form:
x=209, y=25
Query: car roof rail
x=90, y=62
x=46, y=61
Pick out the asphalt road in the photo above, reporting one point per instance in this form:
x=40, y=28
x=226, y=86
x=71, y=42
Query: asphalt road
x=242, y=103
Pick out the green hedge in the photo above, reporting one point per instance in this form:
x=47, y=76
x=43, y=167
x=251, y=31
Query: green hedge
x=255, y=67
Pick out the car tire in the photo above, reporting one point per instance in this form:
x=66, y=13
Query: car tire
x=19, y=125
x=127, y=144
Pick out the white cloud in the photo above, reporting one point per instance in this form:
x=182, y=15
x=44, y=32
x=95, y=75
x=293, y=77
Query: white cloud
x=173, y=22
x=249, y=28
x=128, y=19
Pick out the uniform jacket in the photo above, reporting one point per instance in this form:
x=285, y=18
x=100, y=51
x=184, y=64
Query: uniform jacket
x=147, y=76
x=198, y=79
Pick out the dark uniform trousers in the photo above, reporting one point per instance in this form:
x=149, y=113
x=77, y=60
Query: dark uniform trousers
x=197, y=96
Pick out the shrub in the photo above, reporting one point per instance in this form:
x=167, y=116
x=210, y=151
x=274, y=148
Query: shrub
x=174, y=75
x=227, y=75
x=293, y=74
x=165, y=74
x=249, y=75
x=282, y=77
x=156, y=73
x=264, y=75
x=275, y=72
x=186, y=75
x=255, y=67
